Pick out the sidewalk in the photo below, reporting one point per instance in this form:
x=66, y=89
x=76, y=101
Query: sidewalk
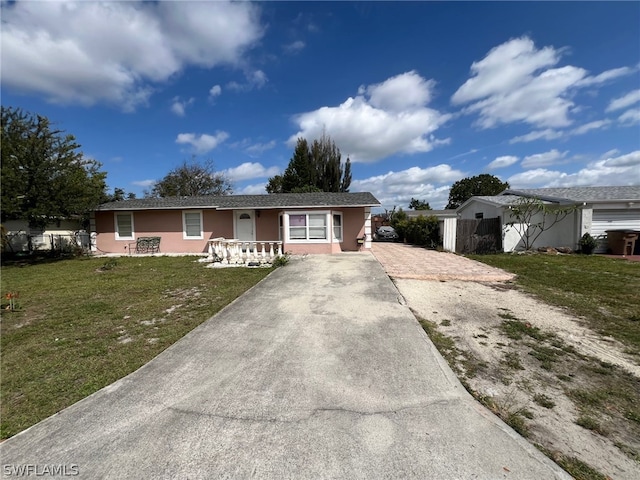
x=317, y=372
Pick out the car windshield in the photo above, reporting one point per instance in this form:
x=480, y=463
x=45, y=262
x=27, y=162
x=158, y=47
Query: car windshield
x=386, y=229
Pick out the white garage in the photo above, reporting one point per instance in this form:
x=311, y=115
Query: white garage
x=603, y=220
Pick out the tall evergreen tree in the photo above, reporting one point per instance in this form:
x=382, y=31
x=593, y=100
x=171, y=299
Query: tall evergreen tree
x=313, y=168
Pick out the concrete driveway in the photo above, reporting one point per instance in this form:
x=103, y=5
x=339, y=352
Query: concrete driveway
x=406, y=261
x=317, y=372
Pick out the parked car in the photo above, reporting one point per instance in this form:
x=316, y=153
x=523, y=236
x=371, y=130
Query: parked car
x=385, y=234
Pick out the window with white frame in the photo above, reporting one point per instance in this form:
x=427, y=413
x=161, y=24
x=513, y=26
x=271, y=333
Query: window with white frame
x=192, y=225
x=308, y=227
x=124, y=226
x=337, y=226
x=317, y=227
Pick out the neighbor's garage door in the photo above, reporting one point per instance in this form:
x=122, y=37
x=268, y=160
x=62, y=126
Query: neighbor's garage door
x=604, y=220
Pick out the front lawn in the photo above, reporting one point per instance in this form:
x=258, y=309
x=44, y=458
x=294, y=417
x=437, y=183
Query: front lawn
x=605, y=291
x=81, y=324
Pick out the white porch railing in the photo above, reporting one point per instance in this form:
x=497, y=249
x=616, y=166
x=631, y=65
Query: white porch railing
x=234, y=251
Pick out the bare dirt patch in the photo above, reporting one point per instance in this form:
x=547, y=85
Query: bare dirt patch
x=571, y=391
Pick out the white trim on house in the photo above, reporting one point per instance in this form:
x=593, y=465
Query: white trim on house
x=368, y=234
x=117, y=214
x=337, y=228
x=307, y=229
x=185, y=227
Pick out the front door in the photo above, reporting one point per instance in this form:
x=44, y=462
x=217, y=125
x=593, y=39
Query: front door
x=245, y=225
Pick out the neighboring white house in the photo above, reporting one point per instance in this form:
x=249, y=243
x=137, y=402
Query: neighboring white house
x=598, y=209
x=55, y=235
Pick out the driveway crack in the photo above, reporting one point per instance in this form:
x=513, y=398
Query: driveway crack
x=309, y=416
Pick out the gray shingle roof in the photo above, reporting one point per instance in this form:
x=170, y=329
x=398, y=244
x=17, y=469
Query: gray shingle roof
x=274, y=200
x=497, y=199
x=581, y=194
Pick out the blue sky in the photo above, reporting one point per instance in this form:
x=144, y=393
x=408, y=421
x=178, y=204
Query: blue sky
x=417, y=94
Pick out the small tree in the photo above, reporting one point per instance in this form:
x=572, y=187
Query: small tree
x=191, y=179
x=531, y=217
x=416, y=204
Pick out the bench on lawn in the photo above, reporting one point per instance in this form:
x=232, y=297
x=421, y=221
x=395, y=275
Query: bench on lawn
x=145, y=245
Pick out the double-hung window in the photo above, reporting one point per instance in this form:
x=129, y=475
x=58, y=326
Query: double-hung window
x=308, y=227
x=124, y=226
x=192, y=225
x=317, y=227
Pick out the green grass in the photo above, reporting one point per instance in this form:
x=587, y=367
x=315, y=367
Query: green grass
x=590, y=423
x=574, y=467
x=461, y=362
x=515, y=329
x=602, y=290
x=83, y=323
x=544, y=400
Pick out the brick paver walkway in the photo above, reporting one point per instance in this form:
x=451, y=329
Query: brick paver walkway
x=406, y=261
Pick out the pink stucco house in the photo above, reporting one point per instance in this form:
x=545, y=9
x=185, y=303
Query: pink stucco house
x=320, y=222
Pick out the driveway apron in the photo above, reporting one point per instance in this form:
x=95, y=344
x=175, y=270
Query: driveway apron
x=319, y=371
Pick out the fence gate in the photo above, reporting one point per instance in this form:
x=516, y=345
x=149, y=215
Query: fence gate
x=479, y=236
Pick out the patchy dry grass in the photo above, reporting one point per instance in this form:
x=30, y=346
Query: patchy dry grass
x=602, y=290
x=81, y=324
x=542, y=371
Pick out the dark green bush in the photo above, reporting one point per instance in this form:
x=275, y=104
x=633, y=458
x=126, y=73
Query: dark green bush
x=421, y=230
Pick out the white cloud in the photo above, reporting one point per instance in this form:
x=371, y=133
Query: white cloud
x=605, y=76
x=621, y=170
x=505, y=68
x=374, y=124
x=214, y=92
x=543, y=159
x=502, y=162
x=249, y=170
x=260, y=148
x=551, y=134
x=255, y=80
x=596, y=125
x=402, y=92
x=516, y=82
x=143, y=183
x=397, y=188
x=118, y=52
x=202, y=143
x=253, y=149
x=547, y=134
x=625, y=101
x=294, y=47
x=630, y=117
x=179, y=106
x=627, y=160
x=527, y=179
x=255, y=189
